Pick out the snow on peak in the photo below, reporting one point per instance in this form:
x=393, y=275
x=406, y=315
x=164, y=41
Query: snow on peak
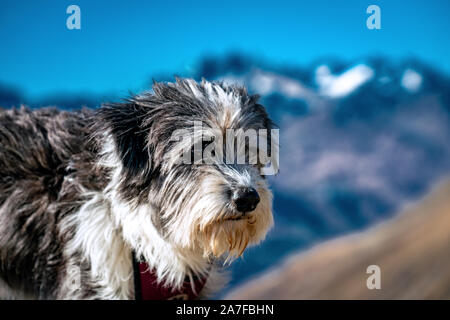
x=411, y=80
x=337, y=86
x=267, y=82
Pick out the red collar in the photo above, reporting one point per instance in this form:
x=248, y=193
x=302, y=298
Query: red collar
x=147, y=288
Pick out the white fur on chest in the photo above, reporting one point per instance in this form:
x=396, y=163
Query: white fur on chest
x=109, y=229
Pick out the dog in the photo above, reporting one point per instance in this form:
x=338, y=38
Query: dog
x=88, y=197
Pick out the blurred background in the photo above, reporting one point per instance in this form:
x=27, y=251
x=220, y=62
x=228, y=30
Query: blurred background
x=364, y=119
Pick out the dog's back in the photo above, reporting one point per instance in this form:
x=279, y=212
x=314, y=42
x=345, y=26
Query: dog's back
x=41, y=153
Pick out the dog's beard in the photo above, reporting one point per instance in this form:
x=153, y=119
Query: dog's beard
x=228, y=237
x=209, y=225
x=230, y=234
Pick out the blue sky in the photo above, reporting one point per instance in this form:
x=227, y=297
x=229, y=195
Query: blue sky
x=123, y=43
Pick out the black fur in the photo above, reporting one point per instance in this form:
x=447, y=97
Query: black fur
x=44, y=155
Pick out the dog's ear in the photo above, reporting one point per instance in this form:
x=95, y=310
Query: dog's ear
x=124, y=121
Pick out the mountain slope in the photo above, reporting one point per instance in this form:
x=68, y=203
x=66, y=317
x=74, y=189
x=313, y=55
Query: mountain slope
x=412, y=251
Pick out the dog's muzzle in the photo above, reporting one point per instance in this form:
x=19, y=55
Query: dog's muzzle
x=245, y=199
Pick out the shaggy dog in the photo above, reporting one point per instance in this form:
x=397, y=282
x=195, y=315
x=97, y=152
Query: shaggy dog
x=85, y=193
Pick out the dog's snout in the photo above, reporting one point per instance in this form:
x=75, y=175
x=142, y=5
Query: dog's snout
x=245, y=199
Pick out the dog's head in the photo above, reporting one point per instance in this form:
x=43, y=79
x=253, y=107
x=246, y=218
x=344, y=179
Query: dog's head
x=197, y=153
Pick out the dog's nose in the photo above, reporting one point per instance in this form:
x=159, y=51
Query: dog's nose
x=246, y=199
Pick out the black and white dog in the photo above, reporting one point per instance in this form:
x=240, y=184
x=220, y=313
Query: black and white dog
x=85, y=194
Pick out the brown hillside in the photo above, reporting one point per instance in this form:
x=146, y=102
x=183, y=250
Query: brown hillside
x=412, y=250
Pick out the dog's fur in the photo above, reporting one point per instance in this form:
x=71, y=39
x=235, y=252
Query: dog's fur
x=80, y=191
